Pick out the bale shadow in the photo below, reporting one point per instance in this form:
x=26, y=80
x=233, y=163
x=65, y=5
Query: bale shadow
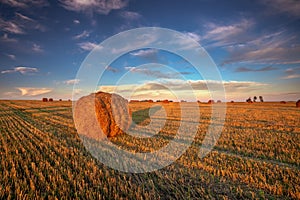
x=140, y=116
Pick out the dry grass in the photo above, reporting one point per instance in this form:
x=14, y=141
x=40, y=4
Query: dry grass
x=257, y=155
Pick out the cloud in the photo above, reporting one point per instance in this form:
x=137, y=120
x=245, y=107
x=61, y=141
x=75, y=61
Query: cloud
x=223, y=35
x=91, y=6
x=263, y=69
x=76, y=21
x=28, y=91
x=89, y=46
x=25, y=3
x=72, y=81
x=22, y=70
x=275, y=48
x=194, y=36
x=84, y=34
x=11, y=56
x=144, y=53
x=6, y=38
x=289, y=7
x=24, y=17
x=11, y=27
x=37, y=48
x=291, y=73
x=150, y=72
x=109, y=68
x=129, y=15
x=187, y=89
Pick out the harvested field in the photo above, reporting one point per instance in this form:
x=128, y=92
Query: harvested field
x=257, y=155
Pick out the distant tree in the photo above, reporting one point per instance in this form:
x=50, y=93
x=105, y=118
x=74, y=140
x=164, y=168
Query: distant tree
x=254, y=99
x=261, y=99
x=249, y=100
x=50, y=99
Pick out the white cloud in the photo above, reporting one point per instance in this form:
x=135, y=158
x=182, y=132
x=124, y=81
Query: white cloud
x=170, y=88
x=76, y=21
x=6, y=38
x=37, y=48
x=11, y=56
x=84, y=34
x=11, y=27
x=290, y=7
x=90, y=6
x=28, y=91
x=72, y=81
x=25, y=3
x=89, y=46
x=22, y=70
x=292, y=73
x=223, y=35
x=194, y=36
x=144, y=53
x=129, y=15
x=293, y=76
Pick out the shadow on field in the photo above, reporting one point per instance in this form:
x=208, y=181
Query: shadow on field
x=140, y=116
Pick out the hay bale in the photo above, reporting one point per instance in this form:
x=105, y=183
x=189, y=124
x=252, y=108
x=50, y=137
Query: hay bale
x=112, y=113
x=45, y=99
x=282, y=102
x=298, y=104
x=165, y=101
x=231, y=101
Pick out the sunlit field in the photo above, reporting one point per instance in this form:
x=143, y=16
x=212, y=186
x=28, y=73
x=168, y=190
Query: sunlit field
x=256, y=157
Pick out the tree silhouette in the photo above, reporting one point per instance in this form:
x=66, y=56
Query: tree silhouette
x=261, y=99
x=254, y=98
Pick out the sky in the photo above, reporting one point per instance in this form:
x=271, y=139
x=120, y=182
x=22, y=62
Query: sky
x=255, y=46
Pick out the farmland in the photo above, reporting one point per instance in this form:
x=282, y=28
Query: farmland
x=256, y=157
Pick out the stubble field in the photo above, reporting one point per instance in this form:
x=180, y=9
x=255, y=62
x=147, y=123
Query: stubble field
x=256, y=157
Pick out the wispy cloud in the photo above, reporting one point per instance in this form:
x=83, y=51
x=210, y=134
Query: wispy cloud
x=289, y=7
x=22, y=70
x=194, y=36
x=129, y=15
x=29, y=91
x=90, y=6
x=112, y=69
x=275, y=48
x=25, y=3
x=37, y=48
x=88, y=46
x=6, y=38
x=291, y=73
x=150, y=72
x=76, y=21
x=144, y=53
x=82, y=35
x=71, y=81
x=263, y=69
x=11, y=56
x=11, y=27
x=166, y=88
x=223, y=35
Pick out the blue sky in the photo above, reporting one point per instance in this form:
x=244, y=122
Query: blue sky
x=255, y=45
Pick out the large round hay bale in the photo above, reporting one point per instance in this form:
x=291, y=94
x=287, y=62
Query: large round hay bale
x=298, y=104
x=111, y=112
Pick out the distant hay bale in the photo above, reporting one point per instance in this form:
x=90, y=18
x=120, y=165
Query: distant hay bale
x=60, y=99
x=45, y=99
x=112, y=113
x=282, y=102
x=298, y=104
x=165, y=101
x=50, y=99
x=231, y=101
